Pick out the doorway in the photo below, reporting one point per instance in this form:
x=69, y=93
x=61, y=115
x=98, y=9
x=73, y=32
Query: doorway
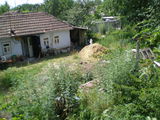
x=36, y=46
x=31, y=46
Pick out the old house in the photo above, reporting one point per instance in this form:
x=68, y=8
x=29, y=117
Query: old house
x=30, y=34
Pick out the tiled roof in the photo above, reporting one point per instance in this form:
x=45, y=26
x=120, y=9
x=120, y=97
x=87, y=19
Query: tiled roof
x=20, y=24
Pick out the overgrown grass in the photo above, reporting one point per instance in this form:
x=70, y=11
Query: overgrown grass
x=47, y=90
x=41, y=91
x=2, y=93
x=117, y=39
x=125, y=92
x=23, y=71
x=103, y=97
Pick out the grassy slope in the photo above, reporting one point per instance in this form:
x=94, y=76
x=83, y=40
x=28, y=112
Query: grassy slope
x=21, y=72
x=30, y=70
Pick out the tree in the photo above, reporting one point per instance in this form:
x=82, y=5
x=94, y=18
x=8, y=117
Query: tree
x=83, y=12
x=4, y=8
x=29, y=8
x=58, y=7
x=134, y=10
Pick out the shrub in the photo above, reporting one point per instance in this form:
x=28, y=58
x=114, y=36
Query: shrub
x=104, y=97
x=127, y=92
x=50, y=94
x=134, y=91
x=13, y=76
x=117, y=38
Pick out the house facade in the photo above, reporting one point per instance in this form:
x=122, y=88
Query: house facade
x=30, y=34
x=9, y=47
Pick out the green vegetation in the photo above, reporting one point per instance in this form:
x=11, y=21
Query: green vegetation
x=125, y=92
x=116, y=38
x=4, y=8
x=74, y=12
x=48, y=90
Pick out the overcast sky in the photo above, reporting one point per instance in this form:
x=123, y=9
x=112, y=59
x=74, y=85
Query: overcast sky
x=14, y=3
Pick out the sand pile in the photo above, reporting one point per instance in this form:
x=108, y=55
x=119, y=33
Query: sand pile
x=92, y=51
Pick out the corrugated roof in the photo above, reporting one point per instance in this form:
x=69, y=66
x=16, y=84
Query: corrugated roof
x=20, y=24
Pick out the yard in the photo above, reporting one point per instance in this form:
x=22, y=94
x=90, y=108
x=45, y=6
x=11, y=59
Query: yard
x=13, y=78
x=24, y=70
x=104, y=81
x=49, y=89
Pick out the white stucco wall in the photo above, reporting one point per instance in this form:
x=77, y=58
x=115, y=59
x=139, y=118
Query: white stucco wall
x=64, y=39
x=16, y=48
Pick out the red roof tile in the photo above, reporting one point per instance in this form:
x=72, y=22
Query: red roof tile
x=19, y=24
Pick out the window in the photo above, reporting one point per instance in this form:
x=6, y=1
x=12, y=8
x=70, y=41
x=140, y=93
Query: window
x=6, y=48
x=56, y=39
x=46, y=41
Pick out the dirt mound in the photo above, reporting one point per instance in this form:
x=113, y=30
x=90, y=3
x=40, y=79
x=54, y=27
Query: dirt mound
x=92, y=51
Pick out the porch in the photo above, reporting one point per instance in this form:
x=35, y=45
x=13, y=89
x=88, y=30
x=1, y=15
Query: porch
x=78, y=37
x=31, y=46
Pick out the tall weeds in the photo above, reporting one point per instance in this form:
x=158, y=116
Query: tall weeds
x=50, y=94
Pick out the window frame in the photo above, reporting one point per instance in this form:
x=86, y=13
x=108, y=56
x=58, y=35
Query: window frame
x=56, y=39
x=46, y=41
x=3, y=47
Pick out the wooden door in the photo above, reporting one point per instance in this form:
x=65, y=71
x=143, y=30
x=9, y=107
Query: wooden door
x=30, y=47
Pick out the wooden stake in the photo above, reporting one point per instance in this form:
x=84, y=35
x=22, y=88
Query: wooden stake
x=137, y=53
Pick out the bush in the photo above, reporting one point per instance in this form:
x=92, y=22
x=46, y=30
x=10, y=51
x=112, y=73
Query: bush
x=125, y=92
x=51, y=94
x=13, y=76
x=105, y=96
x=118, y=38
x=92, y=103
x=134, y=91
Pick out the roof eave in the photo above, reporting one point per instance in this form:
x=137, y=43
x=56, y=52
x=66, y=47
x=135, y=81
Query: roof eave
x=45, y=31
